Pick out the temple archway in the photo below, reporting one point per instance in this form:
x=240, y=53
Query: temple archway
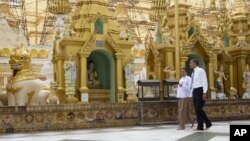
x=199, y=53
x=105, y=68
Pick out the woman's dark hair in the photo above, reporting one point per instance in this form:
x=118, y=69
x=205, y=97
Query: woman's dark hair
x=185, y=69
x=195, y=61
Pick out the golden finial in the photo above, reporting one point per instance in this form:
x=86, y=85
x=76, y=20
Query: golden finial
x=59, y=7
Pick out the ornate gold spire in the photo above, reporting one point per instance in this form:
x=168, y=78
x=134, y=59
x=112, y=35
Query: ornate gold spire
x=121, y=15
x=239, y=9
x=158, y=8
x=223, y=26
x=59, y=7
x=240, y=24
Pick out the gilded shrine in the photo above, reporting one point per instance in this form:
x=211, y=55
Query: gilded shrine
x=212, y=43
x=98, y=51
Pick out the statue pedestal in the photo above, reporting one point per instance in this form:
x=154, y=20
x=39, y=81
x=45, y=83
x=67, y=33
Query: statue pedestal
x=221, y=96
x=94, y=86
x=99, y=95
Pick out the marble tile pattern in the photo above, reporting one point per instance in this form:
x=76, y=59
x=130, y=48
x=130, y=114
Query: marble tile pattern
x=218, y=132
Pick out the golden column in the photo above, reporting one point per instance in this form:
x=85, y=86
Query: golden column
x=169, y=61
x=241, y=64
x=211, y=73
x=211, y=81
x=170, y=58
x=231, y=74
x=159, y=70
x=54, y=69
x=177, y=42
x=83, y=71
x=61, y=84
x=166, y=63
x=119, y=78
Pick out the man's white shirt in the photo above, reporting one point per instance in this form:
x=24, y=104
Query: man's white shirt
x=185, y=90
x=199, y=79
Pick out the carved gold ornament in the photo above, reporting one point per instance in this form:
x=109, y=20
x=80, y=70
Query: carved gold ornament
x=113, y=44
x=196, y=37
x=30, y=95
x=59, y=7
x=13, y=90
x=20, y=64
x=89, y=43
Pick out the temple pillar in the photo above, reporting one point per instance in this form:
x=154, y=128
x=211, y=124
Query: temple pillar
x=215, y=62
x=170, y=59
x=177, y=40
x=61, y=83
x=158, y=71
x=54, y=70
x=119, y=78
x=211, y=76
x=231, y=74
x=83, y=71
x=166, y=63
x=211, y=80
x=241, y=64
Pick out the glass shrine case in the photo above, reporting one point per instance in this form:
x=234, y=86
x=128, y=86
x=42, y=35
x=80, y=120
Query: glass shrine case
x=148, y=90
x=170, y=89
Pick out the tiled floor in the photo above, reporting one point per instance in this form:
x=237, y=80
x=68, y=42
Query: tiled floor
x=218, y=132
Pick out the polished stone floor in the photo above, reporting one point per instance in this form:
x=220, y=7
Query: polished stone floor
x=218, y=132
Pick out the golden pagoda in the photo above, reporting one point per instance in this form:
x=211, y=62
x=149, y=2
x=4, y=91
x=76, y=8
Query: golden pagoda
x=98, y=51
x=213, y=37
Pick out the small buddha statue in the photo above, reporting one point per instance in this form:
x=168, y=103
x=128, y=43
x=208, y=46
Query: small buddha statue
x=93, y=76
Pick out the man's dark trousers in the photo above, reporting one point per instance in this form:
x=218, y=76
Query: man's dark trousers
x=198, y=105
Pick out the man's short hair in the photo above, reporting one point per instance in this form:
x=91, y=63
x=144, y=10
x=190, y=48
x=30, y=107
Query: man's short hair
x=195, y=61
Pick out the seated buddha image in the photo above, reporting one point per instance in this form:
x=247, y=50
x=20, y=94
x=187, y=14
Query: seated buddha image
x=93, y=81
